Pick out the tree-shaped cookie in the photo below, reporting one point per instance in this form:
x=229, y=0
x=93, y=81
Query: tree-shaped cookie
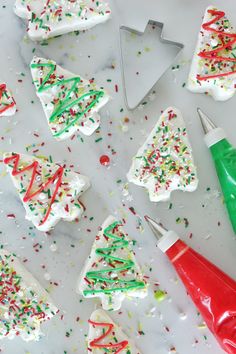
x=105, y=337
x=70, y=103
x=7, y=102
x=213, y=67
x=50, y=18
x=49, y=191
x=165, y=162
x=111, y=271
x=24, y=304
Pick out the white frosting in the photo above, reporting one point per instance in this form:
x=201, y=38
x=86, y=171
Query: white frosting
x=165, y=162
x=24, y=8
x=67, y=206
x=61, y=16
x=113, y=300
x=117, y=335
x=89, y=121
x=27, y=292
x=6, y=99
x=221, y=88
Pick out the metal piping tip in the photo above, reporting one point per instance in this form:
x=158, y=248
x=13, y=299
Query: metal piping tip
x=156, y=227
x=207, y=123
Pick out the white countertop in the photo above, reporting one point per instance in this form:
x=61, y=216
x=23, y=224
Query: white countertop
x=96, y=54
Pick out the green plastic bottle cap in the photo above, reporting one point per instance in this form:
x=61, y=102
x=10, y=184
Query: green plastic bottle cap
x=214, y=136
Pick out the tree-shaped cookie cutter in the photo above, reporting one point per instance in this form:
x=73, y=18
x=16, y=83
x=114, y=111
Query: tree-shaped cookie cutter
x=161, y=67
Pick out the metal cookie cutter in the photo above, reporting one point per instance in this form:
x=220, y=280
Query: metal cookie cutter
x=138, y=84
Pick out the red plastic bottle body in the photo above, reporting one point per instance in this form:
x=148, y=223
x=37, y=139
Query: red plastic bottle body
x=213, y=292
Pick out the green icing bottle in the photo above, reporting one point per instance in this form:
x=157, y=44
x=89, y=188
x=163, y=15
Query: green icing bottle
x=224, y=156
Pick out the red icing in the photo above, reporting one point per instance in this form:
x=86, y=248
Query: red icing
x=213, y=292
x=95, y=343
x=2, y=90
x=212, y=55
x=33, y=166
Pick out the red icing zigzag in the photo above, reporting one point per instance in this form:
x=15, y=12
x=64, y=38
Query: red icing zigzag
x=96, y=342
x=212, y=55
x=33, y=166
x=2, y=90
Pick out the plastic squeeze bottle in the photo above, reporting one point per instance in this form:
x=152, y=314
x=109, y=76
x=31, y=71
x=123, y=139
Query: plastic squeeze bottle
x=212, y=291
x=224, y=156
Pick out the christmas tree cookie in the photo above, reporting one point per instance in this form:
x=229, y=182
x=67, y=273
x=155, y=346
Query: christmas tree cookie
x=105, y=337
x=62, y=16
x=48, y=191
x=213, y=68
x=70, y=103
x=24, y=304
x=7, y=102
x=165, y=162
x=111, y=271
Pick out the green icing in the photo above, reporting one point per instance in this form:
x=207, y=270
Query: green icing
x=107, y=254
x=66, y=102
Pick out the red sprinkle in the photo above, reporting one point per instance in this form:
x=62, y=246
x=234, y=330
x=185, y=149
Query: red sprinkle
x=104, y=160
x=11, y=216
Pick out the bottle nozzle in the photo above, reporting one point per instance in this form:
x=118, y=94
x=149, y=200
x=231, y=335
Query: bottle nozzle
x=165, y=238
x=207, y=123
x=156, y=227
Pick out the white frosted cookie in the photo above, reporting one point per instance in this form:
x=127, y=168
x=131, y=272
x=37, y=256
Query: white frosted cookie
x=24, y=304
x=105, y=337
x=111, y=272
x=165, y=163
x=70, y=102
x=213, y=68
x=50, y=18
x=48, y=191
x=7, y=102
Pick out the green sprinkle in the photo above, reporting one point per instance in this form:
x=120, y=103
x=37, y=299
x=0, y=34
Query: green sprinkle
x=160, y=295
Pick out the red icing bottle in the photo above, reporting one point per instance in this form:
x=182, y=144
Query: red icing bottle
x=212, y=291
